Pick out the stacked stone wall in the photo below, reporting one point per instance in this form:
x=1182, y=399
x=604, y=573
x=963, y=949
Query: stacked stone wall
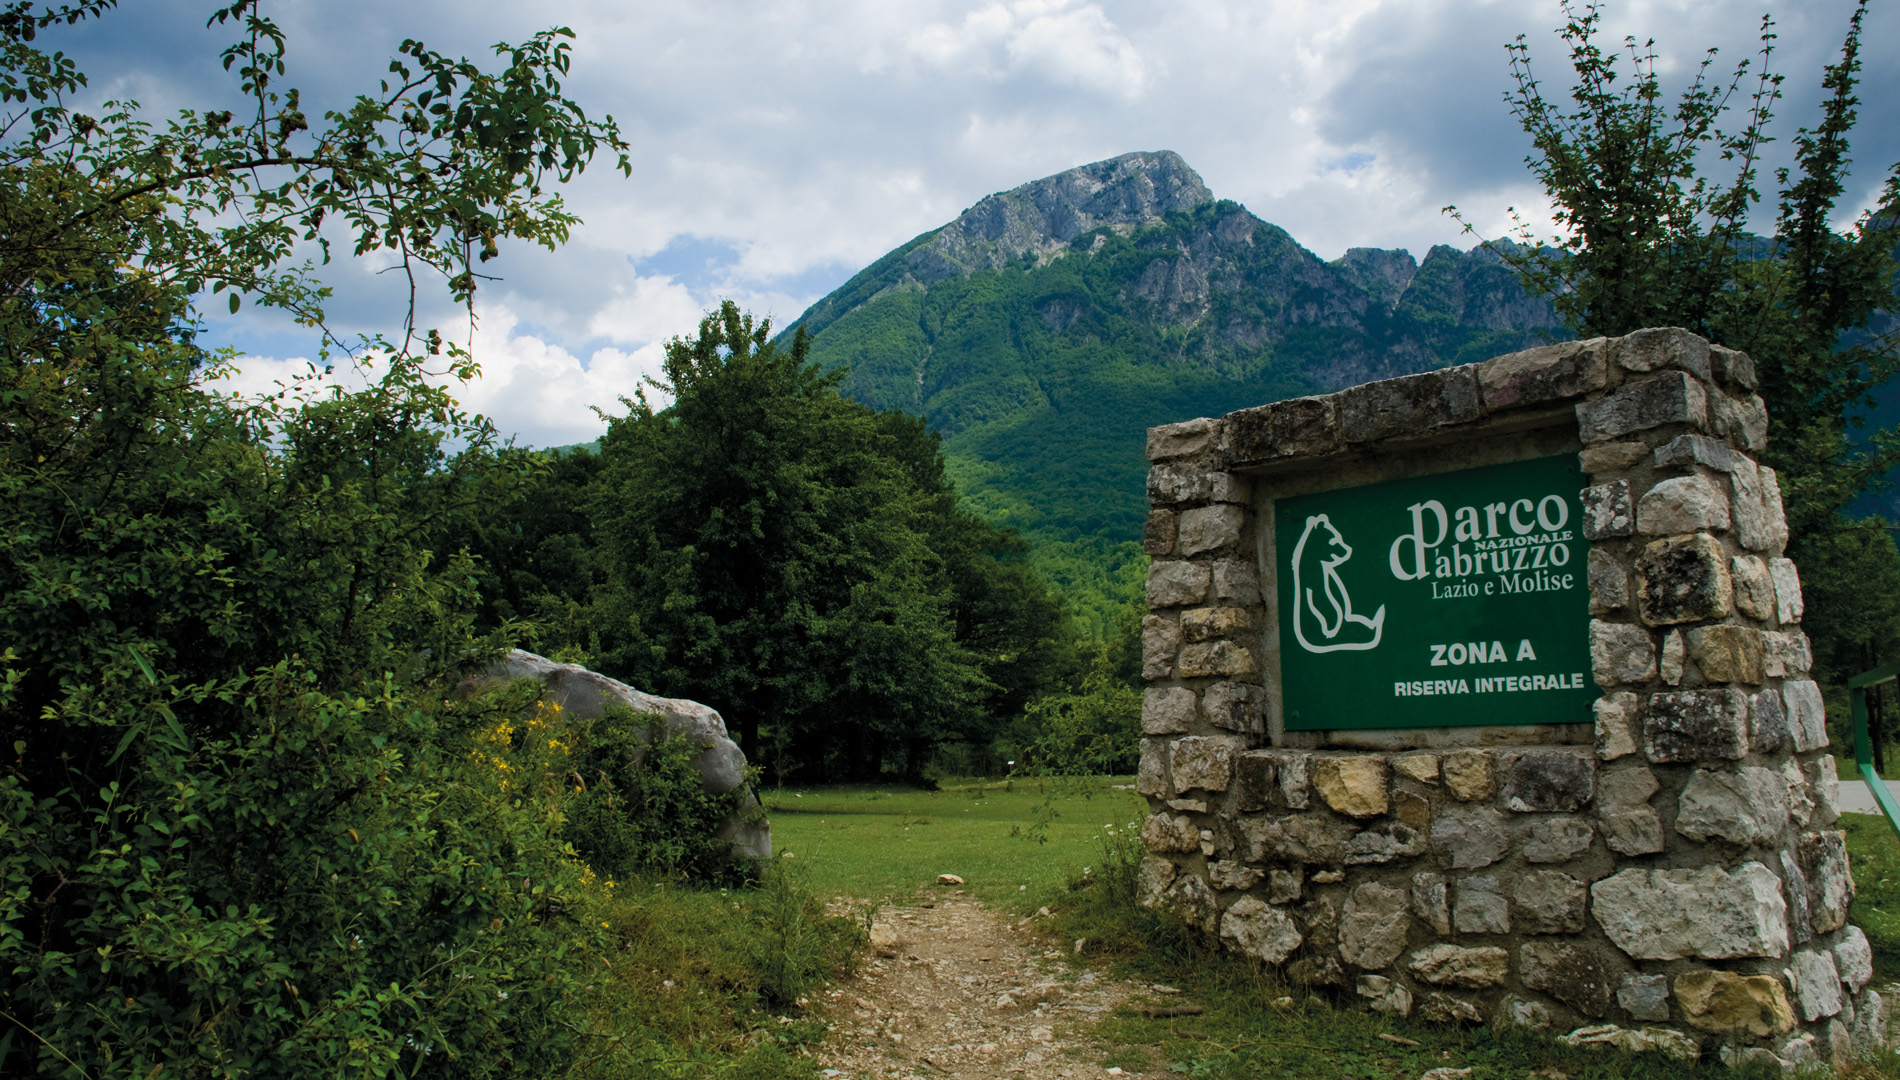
x=1665, y=877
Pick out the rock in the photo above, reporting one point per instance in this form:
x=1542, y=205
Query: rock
x=1408, y=405
x=1806, y=714
x=1372, y=928
x=1869, y=1029
x=1253, y=780
x=1160, y=644
x=1151, y=884
x=1786, y=653
x=1230, y=876
x=1265, y=933
x=1386, y=995
x=1797, y=1053
x=1470, y=837
x=1431, y=902
x=1294, y=770
x=1549, y=902
x=1725, y=1003
x=1180, y=440
x=1420, y=767
x=1525, y=1013
x=1644, y=997
x=1689, y=725
x=1216, y=658
x=1706, y=912
x=1745, y=421
x=1754, y=522
x=1468, y=774
x=1314, y=840
x=1672, y=398
x=1152, y=779
x=1754, y=589
x=949, y=879
x=1177, y=584
x=1692, y=450
x=1555, y=840
x=1621, y=654
x=1817, y=984
x=1630, y=826
x=1616, y=716
x=1478, y=907
x=1675, y=658
x=1235, y=582
x=1167, y=710
x=1445, y=1008
x=1450, y=965
x=1734, y=369
x=1581, y=975
x=1393, y=840
x=1414, y=810
x=1236, y=706
x=1607, y=511
x=1549, y=780
x=1162, y=832
x=1683, y=579
x=1771, y=503
x=1727, y=653
x=585, y=695
x=1601, y=458
x=1209, y=528
x=1191, y=901
x=1169, y=485
x=1283, y=886
x=1746, y=806
x=1158, y=538
x=1795, y=888
x=1823, y=859
x=1767, y=725
x=1609, y=583
x=1682, y=504
x=1662, y=348
x=1315, y=971
x=1632, y=1041
x=1788, y=604
x=1824, y=781
x=1205, y=762
x=1854, y=959
x=1355, y=786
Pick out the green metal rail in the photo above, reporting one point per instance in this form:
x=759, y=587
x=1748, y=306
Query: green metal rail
x=1863, y=746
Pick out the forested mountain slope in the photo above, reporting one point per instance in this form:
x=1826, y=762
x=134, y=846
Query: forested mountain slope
x=1046, y=327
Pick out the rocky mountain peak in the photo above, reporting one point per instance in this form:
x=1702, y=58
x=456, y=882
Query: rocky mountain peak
x=1043, y=216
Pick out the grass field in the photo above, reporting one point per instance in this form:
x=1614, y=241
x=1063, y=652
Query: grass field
x=1013, y=843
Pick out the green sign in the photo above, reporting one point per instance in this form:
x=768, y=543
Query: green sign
x=1459, y=598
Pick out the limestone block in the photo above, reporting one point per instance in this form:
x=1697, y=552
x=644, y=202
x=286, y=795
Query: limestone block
x=1355, y=786
x=1607, y=511
x=1806, y=714
x=1523, y=1012
x=1385, y=995
x=1256, y=930
x=1158, y=538
x=1644, y=997
x=1164, y=832
x=1160, y=644
x=1152, y=780
x=1470, y=836
x=1216, y=658
x=1747, y=805
x=1582, y=975
x=1283, y=886
x=1413, y=809
x=1549, y=902
x=1824, y=781
x=1630, y=826
x=1315, y=970
x=1673, y=398
x=1817, y=983
x=1692, y=725
x=1299, y=427
x=1660, y=1040
x=1191, y=901
x=1609, y=583
x=1869, y=1029
x=1621, y=653
x=1151, y=885
x=1754, y=520
x=1236, y=582
x=1209, y=528
x=1228, y=875
x=1788, y=605
x=1451, y=965
x=1662, y=348
x=1744, y=420
x=1556, y=780
x=1705, y=912
x=1683, y=504
x=1795, y=888
x=1616, y=716
x=1800, y=802
x=1204, y=761
x=1797, y=1053
x=1408, y=405
x=1558, y=839
x=1727, y=653
x=1754, y=589
x=1786, y=653
x=1725, y=1003
x=1732, y=368
x=1478, y=906
x=1771, y=505
x=1675, y=658
x=1547, y=373
x=1420, y=767
x=1209, y=623
x=1854, y=959
x=1294, y=770
x=1468, y=774
x=1180, y=440
x=1431, y=902
x=1823, y=860
x=1167, y=710
x=1169, y=485
x=1177, y=584
x=1767, y=726
x=1683, y=579
x=1607, y=458
x=1372, y=928
x=1310, y=839
x=1448, y=1009
x=1236, y=706
x=1392, y=840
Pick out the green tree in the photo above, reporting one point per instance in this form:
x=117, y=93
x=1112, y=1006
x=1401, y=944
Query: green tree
x=1652, y=239
x=238, y=830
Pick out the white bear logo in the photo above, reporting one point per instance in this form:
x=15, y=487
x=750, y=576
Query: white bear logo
x=1335, y=612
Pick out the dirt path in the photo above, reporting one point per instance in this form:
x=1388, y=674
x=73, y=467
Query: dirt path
x=957, y=990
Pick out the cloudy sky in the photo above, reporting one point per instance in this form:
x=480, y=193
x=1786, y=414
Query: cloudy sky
x=781, y=145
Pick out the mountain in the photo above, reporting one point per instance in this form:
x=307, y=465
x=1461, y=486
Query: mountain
x=1048, y=326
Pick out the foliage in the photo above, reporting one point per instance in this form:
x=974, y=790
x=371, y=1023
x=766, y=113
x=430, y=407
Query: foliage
x=1094, y=730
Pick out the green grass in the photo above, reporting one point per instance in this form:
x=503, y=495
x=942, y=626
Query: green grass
x=1013, y=843
x=1874, y=852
